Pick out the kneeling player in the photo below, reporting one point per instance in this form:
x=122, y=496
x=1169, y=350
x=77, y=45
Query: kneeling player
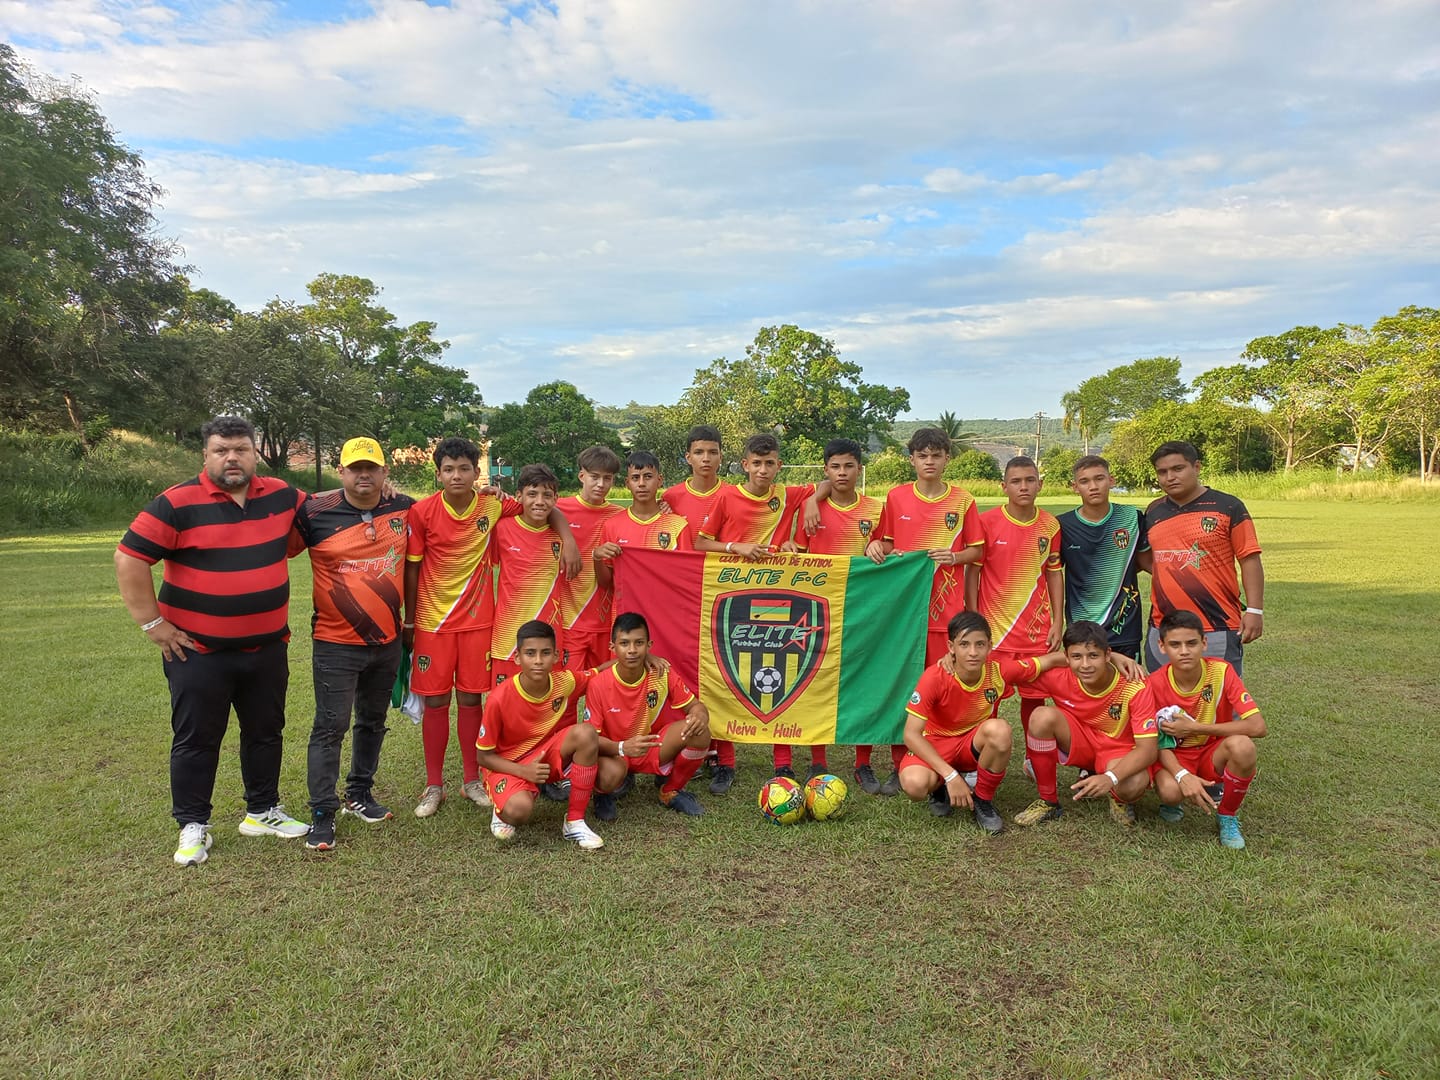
x=1215, y=730
x=1100, y=721
x=529, y=737
x=628, y=703
x=951, y=726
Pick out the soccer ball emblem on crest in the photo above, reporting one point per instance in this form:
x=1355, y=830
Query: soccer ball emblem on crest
x=767, y=680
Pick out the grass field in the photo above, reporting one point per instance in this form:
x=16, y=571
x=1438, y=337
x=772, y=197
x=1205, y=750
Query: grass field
x=886, y=944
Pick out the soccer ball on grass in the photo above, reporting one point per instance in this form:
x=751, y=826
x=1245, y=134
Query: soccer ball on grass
x=782, y=801
x=825, y=796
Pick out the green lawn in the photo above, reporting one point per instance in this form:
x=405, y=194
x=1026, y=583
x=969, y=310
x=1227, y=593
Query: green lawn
x=885, y=944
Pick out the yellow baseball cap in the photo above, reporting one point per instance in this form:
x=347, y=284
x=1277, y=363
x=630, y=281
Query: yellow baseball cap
x=361, y=449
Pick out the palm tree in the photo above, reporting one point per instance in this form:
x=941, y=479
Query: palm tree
x=960, y=440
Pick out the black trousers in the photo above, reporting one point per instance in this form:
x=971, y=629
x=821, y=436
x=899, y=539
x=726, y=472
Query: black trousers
x=202, y=691
x=349, y=679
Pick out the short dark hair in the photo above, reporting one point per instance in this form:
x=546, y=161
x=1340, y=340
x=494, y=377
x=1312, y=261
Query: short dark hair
x=227, y=427
x=1176, y=446
x=1181, y=620
x=841, y=447
x=537, y=475
x=1019, y=461
x=760, y=445
x=627, y=621
x=1089, y=461
x=965, y=622
x=1085, y=632
x=599, y=459
x=928, y=438
x=456, y=449
x=702, y=433
x=532, y=630
x=642, y=459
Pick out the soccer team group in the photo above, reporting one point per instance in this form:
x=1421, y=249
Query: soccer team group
x=508, y=605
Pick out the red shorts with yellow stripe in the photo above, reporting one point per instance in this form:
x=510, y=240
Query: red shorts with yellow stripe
x=444, y=661
x=1091, y=749
x=1200, y=760
x=957, y=751
x=503, y=787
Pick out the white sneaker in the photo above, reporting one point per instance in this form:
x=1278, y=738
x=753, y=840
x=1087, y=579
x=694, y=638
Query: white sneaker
x=195, y=841
x=273, y=822
x=430, y=800
x=582, y=834
x=501, y=830
x=476, y=793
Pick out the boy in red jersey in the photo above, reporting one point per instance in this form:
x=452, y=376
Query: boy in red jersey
x=752, y=520
x=584, y=601
x=649, y=722
x=952, y=725
x=526, y=552
x=449, y=595
x=643, y=525
x=939, y=518
x=1018, y=584
x=1101, y=720
x=530, y=737
x=1208, y=726
x=695, y=498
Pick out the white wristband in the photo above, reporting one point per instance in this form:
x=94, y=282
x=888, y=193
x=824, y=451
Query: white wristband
x=1181, y=775
x=621, y=747
x=728, y=545
x=953, y=774
x=1114, y=782
x=145, y=628
x=1254, y=611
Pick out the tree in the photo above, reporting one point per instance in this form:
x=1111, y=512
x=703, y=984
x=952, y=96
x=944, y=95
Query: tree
x=1058, y=464
x=81, y=269
x=972, y=465
x=1230, y=439
x=1411, y=340
x=554, y=424
x=954, y=428
x=1122, y=392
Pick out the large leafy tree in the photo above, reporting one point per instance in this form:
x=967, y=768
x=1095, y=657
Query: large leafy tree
x=1102, y=401
x=1411, y=342
x=551, y=427
x=82, y=271
x=1229, y=437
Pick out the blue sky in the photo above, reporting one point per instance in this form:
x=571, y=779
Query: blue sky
x=982, y=202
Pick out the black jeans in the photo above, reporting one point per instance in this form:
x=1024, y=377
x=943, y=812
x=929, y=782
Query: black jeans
x=202, y=690
x=349, y=678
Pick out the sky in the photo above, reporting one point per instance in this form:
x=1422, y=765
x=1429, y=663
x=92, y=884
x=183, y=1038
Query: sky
x=984, y=203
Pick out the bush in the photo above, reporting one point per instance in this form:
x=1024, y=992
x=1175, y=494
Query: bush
x=888, y=468
x=972, y=465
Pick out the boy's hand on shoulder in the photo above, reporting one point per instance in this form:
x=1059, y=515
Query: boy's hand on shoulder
x=1126, y=665
x=569, y=557
x=656, y=664
x=875, y=551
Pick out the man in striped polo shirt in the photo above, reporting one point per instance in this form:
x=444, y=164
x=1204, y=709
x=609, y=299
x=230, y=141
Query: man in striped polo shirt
x=220, y=625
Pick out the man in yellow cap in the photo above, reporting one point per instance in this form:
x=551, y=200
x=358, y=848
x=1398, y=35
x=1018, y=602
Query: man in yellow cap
x=356, y=538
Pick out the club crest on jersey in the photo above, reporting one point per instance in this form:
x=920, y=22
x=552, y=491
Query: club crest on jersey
x=397, y=526
x=663, y=539
x=1207, y=695
x=482, y=523
x=951, y=520
x=1209, y=524
x=1122, y=538
x=865, y=527
x=557, y=704
x=652, y=699
x=1042, y=542
x=500, y=786
x=555, y=548
x=991, y=696
x=768, y=644
x=773, y=504
x=422, y=663
x=1116, y=710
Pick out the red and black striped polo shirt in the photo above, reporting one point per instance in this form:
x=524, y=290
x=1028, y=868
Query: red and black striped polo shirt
x=226, y=583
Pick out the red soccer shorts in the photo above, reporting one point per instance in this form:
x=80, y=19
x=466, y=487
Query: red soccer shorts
x=460, y=660
x=936, y=645
x=1025, y=690
x=958, y=751
x=500, y=670
x=651, y=764
x=503, y=786
x=1200, y=760
x=585, y=650
x=1089, y=749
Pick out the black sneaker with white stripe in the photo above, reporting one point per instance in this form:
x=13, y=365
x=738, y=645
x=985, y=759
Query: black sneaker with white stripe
x=364, y=806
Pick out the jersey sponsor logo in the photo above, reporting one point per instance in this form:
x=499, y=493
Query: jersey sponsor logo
x=1116, y=710
x=1042, y=542
x=482, y=523
x=768, y=644
x=951, y=519
x=865, y=526
x=991, y=695
x=556, y=704
x=915, y=698
x=773, y=504
x=1209, y=524
x=652, y=699
x=663, y=539
x=1122, y=538
x=422, y=663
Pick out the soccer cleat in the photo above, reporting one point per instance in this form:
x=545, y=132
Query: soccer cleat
x=986, y=816
x=940, y=802
x=582, y=834
x=604, y=805
x=722, y=780
x=366, y=808
x=273, y=822
x=1172, y=814
x=681, y=802
x=865, y=777
x=474, y=790
x=322, y=832
x=556, y=792
x=816, y=769
x=194, y=846
x=1036, y=812
x=501, y=830
x=1123, y=814
x=1229, y=832
x=628, y=783
x=786, y=771
x=891, y=786
x=430, y=800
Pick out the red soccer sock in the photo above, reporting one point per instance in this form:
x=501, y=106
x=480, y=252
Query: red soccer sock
x=1235, y=789
x=582, y=785
x=1027, y=709
x=724, y=752
x=684, y=767
x=467, y=726
x=862, y=755
x=987, y=783
x=817, y=757
x=435, y=737
x=897, y=754
x=784, y=755
x=1044, y=757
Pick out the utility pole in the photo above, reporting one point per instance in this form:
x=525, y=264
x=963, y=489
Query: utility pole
x=1039, y=421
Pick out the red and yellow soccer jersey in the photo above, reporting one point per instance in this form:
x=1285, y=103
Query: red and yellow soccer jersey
x=1123, y=706
x=356, y=566
x=1217, y=698
x=913, y=522
x=844, y=530
x=694, y=506
x=621, y=710
x=515, y=723
x=950, y=707
x=456, y=588
x=528, y=583
x=585, y=606
x=1014, y=597
x=743, y=518
x=1195, y=548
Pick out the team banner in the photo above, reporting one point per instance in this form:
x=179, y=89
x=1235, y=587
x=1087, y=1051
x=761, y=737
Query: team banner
x=790, y=649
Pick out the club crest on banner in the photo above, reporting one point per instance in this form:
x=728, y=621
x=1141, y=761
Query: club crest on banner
x=768, y=644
